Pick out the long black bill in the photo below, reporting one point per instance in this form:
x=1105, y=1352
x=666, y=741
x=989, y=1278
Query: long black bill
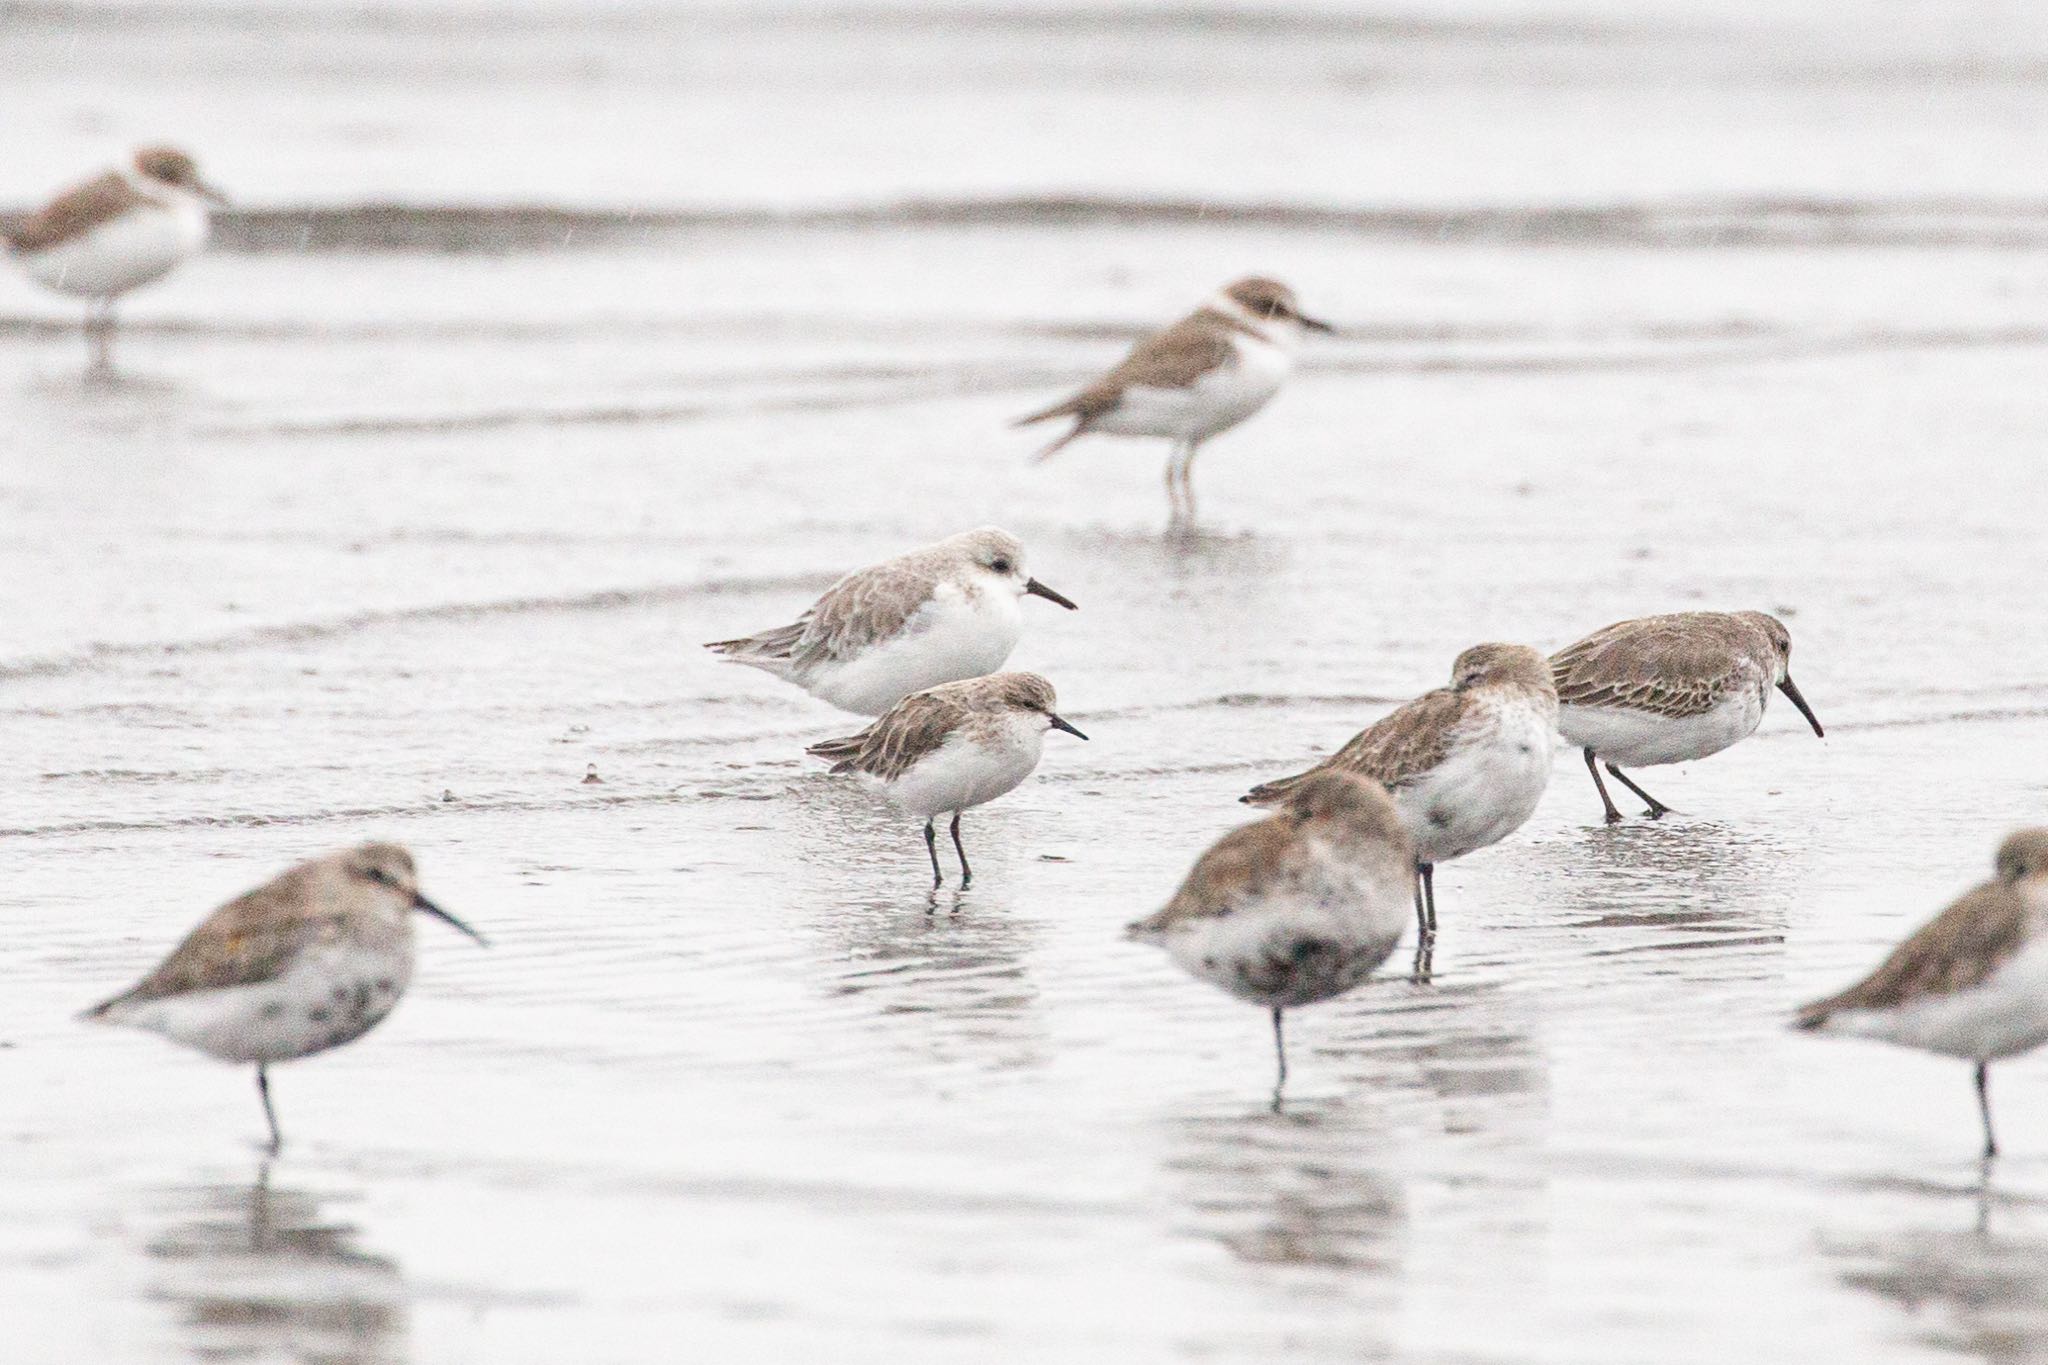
x=1059, y=724
x=420, y=902
x=210, y=195
x=1315, y=324
x=1807, y=711
x=1038, y=589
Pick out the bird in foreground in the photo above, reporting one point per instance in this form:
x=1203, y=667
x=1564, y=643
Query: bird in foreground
x=949, y=611
x=1670, y=689
x=123, y=230
x=952, y=747
x=1201, y=376
x=1972, y=983
x=1465, y=764
x=1298, y=907
x=306, y=962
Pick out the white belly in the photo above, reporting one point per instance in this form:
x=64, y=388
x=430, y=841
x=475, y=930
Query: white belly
x=1483, y=791
x=329, y=996
x=1640, y=739
x=950, y=639
x=141, y=245
x=965, y=773
x=2003, y=1017
x=1216, y=402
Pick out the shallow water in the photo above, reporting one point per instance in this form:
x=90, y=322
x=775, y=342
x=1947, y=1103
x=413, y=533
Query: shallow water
x=384, y=536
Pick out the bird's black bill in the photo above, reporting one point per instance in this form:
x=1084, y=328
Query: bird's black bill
x=1038, y=589
x=1059, y=724
x=420, y=902
x=1315, y=324
x=211, y=195
x=1807, y=711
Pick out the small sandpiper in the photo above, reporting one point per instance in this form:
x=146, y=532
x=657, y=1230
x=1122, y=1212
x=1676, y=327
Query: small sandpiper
x=304, y=963
x=1972, y=983
x=1670, y=689
x=1298, y=907
x=1201, y=376
x=952, y=747
x=1465, y=764
x=127, y=228
x=936, y=615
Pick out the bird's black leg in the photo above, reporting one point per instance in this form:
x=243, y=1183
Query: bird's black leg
x=1657, y=808
x=931, y=846
x=1187, y=482
x=1593, y=767
x=1984, y=1107
x=1280, y=1055
x=966, y=872
x=1421, y=908
x=1429, y=894
x=269, y=1114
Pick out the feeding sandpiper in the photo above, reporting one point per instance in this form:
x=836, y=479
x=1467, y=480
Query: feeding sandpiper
x=936, y=615
x=952, y=747
x=304, y=963
x=1972, y=983
x=1203, y=375
x=1298, y=907
x=119, y=232
x=1670, y=689
x=1465, y=764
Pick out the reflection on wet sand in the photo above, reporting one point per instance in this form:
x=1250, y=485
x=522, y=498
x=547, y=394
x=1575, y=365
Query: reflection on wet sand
x=1981, y=1289
x=1708, y=880
x=258, y=1273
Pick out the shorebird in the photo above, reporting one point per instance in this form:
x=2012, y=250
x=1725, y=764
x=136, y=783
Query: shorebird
x=304, y=963
x=936, y=615
x=1201, y=376
x=1670, y=689
x=127, y=228
x=1298, y=907
x=952, y=747
x=1465, y=764
x=1972, y=983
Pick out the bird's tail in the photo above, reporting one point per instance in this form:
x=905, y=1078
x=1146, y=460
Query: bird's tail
x=1270, y=793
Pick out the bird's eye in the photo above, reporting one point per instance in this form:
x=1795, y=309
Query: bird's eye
x=1000, y=565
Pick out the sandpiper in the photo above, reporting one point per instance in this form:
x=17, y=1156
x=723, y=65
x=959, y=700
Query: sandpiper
x=936, y=615
x=304, y=963
x=1298, y=907
x=1972, y=983
x=1670, y=689
x=119, y=232
x=952, y=747
x=1201, y=376
x=1465, y=764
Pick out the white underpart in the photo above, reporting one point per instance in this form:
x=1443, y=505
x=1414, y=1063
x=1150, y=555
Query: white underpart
x=2004, y=1016
x=1487, y=786
x=955, y=635
x=964, y=772
x=1219, y=399
x=308, y=1008
x=1361, y=905
x=143, y=244
x=1642, y=739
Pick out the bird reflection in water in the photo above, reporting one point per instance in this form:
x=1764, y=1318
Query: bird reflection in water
x=259, y=1273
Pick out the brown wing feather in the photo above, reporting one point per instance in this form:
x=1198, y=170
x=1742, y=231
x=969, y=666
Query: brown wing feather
x=1235, y=869
x=250, y=939
x=1959, y=948
x=1681, y=665
x=75, y=211
x=907, y=732
x=1170, y=359
x=861, y=609
x=1394, y=750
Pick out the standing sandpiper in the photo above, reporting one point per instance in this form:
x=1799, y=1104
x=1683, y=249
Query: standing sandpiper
x=1201, y=376
x=1465, y=764
x=936, y=615
x=128, y=228
x=952, y=747
x=301, y=964
x=1971, y=983
x=1298, y=907
x=1670, y=689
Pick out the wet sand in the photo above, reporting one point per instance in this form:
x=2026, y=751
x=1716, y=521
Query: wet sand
x=388, y=536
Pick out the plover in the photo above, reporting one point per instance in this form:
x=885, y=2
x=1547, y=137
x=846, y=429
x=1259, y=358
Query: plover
x=119, y=232
x=1201, y=376
x=304, y=963
x=1465, y=764
x=1298, y=907
x=1670, y=689
x=952, y=747
x=936, y=615
x=1972, y=983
